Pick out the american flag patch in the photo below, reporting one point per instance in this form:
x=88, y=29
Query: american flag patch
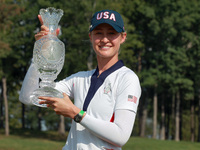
x=132, y=99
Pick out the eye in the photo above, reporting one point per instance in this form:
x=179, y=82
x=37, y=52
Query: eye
x=111, y=33
x=98, y=33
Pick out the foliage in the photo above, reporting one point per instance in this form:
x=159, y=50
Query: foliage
x=162, y=47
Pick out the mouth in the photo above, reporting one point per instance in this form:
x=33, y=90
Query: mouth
x=104, y=47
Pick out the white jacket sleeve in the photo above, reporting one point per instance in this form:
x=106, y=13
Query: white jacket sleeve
x=30, y=83
x=116, y=133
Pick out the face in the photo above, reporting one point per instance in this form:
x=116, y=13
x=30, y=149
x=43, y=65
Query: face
x=106, y=41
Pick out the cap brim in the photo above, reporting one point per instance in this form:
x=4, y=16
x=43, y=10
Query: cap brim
x=116, y=27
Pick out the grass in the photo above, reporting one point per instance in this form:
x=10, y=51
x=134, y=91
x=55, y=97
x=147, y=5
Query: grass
x=32, y=140
x=21, y=143
x=136, y=143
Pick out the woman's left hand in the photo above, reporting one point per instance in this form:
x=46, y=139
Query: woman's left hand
x=62, y=106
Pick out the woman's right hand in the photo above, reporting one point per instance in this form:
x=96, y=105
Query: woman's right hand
x=44, y=30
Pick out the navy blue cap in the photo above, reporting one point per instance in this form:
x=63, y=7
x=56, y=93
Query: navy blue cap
x=110, y=17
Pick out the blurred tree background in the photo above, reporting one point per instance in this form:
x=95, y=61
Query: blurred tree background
x=162, y=47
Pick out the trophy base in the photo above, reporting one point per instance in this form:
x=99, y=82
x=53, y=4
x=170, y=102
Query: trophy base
x=44, y=91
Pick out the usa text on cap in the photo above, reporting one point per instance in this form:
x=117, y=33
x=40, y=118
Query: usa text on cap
x=110, y=17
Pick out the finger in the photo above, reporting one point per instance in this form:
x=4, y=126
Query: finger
x=51, y=99
x=57, y=31
x=48, y=103
x=51, y=106
x=42, y=102
x=42, y=33
x=39, y=35
x=40, y=19
x=44, y=28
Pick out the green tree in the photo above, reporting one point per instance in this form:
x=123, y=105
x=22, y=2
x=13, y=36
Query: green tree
x=162, y=47
x=8, y=10
x=164, y=30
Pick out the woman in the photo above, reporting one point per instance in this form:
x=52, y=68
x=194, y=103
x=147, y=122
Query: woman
x=105, y=99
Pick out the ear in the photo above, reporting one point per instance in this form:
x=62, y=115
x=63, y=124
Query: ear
x=123, y=37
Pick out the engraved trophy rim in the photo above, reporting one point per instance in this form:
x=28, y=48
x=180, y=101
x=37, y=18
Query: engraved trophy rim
x=51, y=17
x=51, y=10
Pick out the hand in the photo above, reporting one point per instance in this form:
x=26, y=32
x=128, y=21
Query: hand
x=44, y=30
x=62, y=106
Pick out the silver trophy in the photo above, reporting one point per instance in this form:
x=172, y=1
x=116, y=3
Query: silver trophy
x=48, y=56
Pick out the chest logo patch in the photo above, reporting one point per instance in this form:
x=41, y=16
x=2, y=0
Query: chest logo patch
x=107, y=88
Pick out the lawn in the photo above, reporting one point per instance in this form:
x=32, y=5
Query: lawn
x=51, y=141
x=21, y=143
x=136, y=143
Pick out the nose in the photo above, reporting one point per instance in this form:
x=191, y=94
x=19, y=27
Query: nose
x=104, y=39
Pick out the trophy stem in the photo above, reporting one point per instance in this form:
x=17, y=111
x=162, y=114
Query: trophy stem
x=52, y=29
x=47, y=82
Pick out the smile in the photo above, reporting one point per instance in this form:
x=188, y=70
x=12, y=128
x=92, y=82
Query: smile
x=104, y=47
